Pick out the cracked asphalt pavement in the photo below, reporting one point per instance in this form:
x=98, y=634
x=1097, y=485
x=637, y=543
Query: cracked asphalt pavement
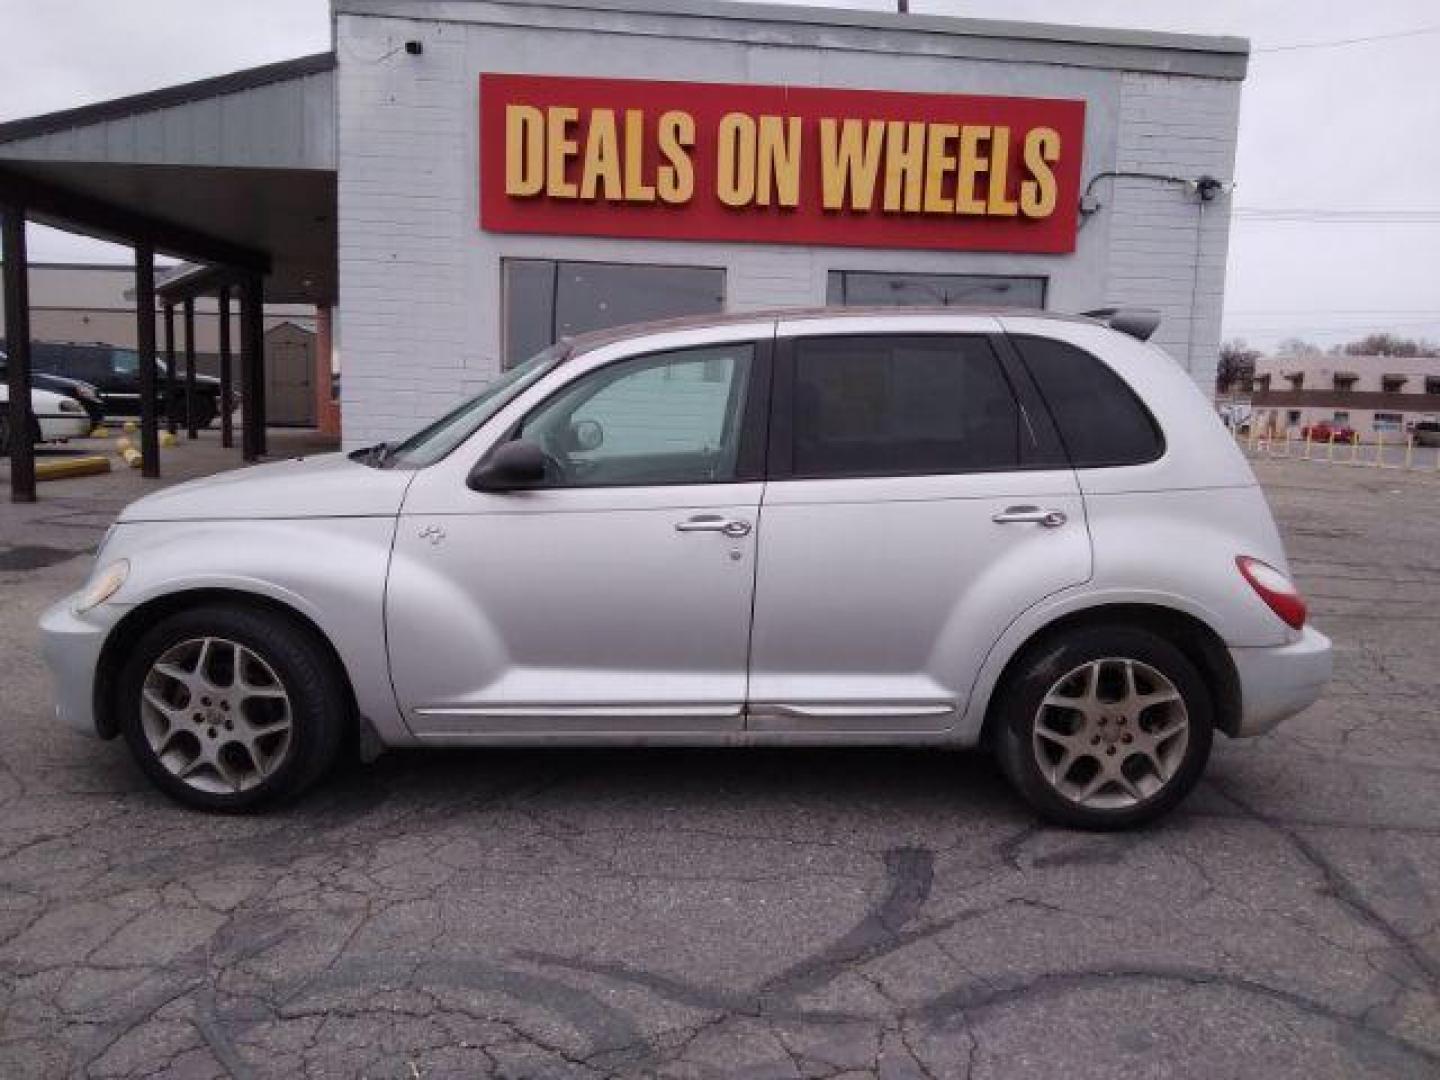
x=893, y=915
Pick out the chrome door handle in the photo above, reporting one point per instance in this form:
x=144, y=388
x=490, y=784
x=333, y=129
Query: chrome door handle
x=1031, y=515
x=732, y=527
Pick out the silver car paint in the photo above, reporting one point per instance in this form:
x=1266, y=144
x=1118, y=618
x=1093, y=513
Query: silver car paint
x=581, y=616
x=879, y=597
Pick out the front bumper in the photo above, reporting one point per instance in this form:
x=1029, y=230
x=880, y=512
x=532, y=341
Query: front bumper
x=72, y=645
x=1280, y=681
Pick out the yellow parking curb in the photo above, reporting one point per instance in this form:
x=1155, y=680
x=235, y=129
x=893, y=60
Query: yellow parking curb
x=168, y=439
x=63, y=468
x=132, y=457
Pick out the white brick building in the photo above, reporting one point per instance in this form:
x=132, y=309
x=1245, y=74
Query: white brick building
x=432, y=304
x=1016, y=163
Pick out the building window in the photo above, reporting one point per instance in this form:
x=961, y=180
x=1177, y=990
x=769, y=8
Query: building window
x=546, y=300
x=1345, y=381
x=1292, y=418
x=1297, y=380
x=1262, y=383
x=1341, y=417
x=1388, y=421
x=865, y=288
x=1432, y=384
x=1393, y=384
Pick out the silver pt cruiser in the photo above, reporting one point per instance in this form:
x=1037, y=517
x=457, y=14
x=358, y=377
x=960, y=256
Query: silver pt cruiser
x=1015, y=530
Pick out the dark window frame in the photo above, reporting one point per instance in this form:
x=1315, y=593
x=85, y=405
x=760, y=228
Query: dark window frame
x=1042, y=279
x=1045, y=451
x=556, y=263
x=1161, y=442
x=750, y=456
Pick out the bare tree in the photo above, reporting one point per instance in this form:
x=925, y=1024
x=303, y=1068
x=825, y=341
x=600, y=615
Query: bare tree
x=1384, y=344
x=1237, y=366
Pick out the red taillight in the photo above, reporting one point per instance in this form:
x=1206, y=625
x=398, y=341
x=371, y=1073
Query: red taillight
x=1277, y=590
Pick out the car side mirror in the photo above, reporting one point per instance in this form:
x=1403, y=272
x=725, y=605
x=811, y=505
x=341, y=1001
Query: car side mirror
x=586, y=435
x=511, y=466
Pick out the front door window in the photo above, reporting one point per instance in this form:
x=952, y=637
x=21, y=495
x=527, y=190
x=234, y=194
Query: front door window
x=667, y=418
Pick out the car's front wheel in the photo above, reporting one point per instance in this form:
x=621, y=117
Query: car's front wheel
x=1105, y=727
x=232, y=708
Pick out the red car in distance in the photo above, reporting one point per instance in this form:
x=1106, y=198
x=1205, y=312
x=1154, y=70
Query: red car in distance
x=1324, y=431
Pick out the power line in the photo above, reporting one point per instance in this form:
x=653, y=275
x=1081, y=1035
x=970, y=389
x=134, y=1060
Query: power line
x=1338, y=43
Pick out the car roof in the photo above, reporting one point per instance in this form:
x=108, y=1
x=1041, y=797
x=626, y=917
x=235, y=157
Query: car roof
x=583, y=343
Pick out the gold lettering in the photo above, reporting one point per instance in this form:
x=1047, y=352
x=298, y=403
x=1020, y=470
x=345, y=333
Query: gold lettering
x=1037, y=196
x=973, y=162
x=636, y=189
x=850, y=163
x=559, y=149
x=999, y=203
x=778, y=160
x=602, y=158
x=524, y=150
x=676, y=180
x=904, y=165
x=939, y=164
x=735, y=171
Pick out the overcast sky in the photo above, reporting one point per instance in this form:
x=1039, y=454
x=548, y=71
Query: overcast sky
x=1353, y=127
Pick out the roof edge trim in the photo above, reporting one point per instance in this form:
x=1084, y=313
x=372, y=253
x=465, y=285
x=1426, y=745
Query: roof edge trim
x=166, y=97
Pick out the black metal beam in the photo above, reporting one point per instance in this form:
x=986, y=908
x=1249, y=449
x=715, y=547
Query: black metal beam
x=17, y=331
x=227, y=397
x=60, y=206
x=170, y=368
x=145, y=347
x=190, y=369
x=252, y=367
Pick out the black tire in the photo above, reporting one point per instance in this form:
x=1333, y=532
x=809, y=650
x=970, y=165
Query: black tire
x=319, y=701
x=1042, y=667
x=205, y=412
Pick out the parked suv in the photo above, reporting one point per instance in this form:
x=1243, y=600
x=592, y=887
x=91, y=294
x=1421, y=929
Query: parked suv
x=115, y=374
x=1021, y=531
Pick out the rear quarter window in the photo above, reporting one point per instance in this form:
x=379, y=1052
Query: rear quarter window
x=1102, y=422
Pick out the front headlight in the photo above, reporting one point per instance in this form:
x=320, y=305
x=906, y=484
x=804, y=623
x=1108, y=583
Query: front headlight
x=102, y=585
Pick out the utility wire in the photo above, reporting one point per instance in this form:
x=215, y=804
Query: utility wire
x=1338, y=43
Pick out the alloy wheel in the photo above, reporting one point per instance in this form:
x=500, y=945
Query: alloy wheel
x=1110, y=734
x=216, y=715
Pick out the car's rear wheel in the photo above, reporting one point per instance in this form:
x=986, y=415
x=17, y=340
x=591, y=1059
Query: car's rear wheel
x=1105, y=727
x=232, y=709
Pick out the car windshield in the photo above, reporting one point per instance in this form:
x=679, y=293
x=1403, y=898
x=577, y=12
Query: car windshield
x=430, y=444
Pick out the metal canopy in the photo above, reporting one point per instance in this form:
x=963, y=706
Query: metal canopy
x=236, y=170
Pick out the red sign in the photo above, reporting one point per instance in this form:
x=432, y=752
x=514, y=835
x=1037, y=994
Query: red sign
x=776, y=164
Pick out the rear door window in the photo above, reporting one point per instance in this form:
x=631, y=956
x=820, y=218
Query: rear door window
x=1102, y=422
x=884, y=405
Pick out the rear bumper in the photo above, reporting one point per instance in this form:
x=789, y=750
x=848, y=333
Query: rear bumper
x=1280, y=681
x=63, y=425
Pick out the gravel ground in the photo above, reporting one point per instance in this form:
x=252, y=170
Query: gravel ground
x=756, y=914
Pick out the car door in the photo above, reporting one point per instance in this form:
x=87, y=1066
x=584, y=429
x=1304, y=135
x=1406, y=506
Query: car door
x=918, y=502
x=615, y=597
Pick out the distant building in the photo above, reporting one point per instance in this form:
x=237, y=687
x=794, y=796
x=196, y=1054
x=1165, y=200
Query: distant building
x=92, y=304
x=1375, y=395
